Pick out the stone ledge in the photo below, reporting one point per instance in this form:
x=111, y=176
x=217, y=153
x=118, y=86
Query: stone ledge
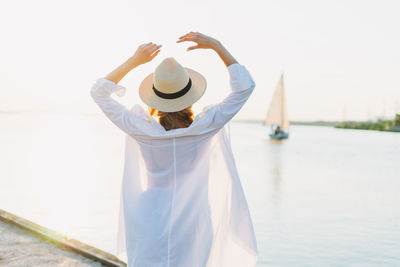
x=76, y=246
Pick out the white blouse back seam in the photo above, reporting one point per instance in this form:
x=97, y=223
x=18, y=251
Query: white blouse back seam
x=172, y=202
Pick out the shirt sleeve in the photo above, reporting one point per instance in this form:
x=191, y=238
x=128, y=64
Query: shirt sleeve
x=242, y=85
x=119, y=114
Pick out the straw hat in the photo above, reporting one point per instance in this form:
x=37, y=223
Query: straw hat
x=171, y=87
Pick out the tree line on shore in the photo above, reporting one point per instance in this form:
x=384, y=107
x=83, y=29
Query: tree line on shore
x=380, y=125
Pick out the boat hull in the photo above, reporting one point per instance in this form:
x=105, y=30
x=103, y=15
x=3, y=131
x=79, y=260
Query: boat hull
x=281, y=135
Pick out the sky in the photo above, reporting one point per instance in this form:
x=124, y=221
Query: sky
x=340, y=59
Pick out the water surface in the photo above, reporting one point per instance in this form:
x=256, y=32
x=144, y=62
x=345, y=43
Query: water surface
x=324, y=197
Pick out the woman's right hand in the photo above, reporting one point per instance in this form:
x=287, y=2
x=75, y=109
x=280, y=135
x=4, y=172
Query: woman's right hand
x=203, y=41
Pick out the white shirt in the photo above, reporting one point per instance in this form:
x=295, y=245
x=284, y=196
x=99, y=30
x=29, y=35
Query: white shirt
x=182, y=203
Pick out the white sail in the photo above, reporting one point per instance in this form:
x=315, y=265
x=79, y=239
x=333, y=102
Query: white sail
x=277, y=113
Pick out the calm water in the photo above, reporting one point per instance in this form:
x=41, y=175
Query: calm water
x=325, y=197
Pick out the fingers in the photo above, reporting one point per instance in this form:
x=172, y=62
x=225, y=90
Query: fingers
x=155, y=47
x=189, y=35
x=184, y=39
x=146, y=45
x=149, y=50
x=155, y=54
x=151, y=47
x=192, y=47
x=154, y=50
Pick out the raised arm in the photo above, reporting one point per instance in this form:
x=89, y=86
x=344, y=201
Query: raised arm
x=207, y=42
x=104, y=87
x=241, y=82
x=144, y=54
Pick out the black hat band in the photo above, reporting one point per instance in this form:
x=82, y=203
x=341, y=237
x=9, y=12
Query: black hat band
x=176, y=94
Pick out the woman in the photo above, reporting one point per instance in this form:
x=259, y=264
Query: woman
x=182, y=203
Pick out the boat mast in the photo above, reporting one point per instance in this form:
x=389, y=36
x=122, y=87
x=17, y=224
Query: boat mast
x=282, y=102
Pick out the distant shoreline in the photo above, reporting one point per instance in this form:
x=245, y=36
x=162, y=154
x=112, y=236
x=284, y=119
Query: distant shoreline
x=380, y=125
x=305, y=123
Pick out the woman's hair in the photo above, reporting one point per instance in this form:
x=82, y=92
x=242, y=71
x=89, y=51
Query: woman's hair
x=173, y=120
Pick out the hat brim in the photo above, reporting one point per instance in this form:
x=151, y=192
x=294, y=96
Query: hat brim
x=196, y=91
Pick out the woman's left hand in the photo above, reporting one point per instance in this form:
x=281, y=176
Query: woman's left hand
x=144, y=54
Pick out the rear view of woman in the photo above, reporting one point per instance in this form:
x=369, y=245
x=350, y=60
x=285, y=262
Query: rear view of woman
x=182, y=204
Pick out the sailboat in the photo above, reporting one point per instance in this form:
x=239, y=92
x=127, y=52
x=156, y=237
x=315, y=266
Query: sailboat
x=277, y=116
